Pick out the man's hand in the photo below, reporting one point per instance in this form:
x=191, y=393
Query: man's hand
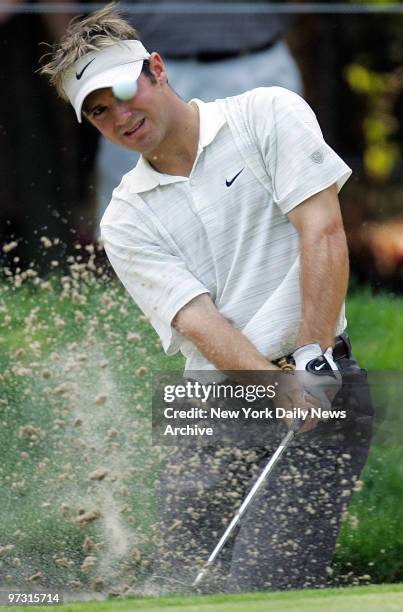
x=230, y=351
x=291, y=394
x=317, y=373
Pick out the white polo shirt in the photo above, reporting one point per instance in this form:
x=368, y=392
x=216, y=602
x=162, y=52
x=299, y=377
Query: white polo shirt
x=220, y=230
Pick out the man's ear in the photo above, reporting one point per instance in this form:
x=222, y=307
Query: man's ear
x=157, y=67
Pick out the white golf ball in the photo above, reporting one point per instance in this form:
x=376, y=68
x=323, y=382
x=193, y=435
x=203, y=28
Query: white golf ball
x=125, y=90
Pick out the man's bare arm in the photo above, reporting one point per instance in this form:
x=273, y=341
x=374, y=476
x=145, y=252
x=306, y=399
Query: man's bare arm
x=222, y=344
x=230, y=351
x=324, y=265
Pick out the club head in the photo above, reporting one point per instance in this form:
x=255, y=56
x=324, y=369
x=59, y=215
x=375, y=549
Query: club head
x=178, y=587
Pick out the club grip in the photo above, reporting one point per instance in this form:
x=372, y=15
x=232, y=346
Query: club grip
x=296, y=425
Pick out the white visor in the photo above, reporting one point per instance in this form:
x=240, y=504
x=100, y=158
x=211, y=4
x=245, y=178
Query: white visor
x=103, y=68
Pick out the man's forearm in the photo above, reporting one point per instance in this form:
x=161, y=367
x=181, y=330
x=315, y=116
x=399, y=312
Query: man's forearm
x=324, y=279
x=231, y=352
x=223, y=345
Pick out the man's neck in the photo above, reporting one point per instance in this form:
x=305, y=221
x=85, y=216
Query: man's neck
x=177, y=154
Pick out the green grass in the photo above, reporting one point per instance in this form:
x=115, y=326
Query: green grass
x=371, y=541
x=375, y=325
x=378, y=598
x=44, y=347
x=45, y=331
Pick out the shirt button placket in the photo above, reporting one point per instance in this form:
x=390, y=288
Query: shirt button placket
x=199, y=204
x=193, y=197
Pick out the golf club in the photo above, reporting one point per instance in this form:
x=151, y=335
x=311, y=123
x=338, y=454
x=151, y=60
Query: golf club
x=295, y=427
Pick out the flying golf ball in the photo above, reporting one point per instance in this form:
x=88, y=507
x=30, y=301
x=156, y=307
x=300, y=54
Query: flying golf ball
x=125, y=90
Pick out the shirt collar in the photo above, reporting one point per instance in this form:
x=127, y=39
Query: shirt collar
x=144, y=178
x=211, y=121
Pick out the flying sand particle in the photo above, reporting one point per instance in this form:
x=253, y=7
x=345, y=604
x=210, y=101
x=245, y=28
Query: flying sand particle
x=63, y=562
x=46, y=243
x=101, y=399
x=88, y=564
x=89, y=545
x=36, y=577
x=99, y=474
x=5, y=550
x=87, y=517
x=10, y=246
x=97, y=584
x=65, y=509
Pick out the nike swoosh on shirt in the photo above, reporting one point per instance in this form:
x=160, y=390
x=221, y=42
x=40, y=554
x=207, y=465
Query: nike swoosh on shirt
x=80, y=74
x=320, y=367
x=229, y=183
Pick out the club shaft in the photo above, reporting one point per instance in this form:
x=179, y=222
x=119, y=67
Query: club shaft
x=270, y=465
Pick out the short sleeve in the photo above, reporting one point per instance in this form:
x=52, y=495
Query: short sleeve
x=158, y=281
x=298, y=159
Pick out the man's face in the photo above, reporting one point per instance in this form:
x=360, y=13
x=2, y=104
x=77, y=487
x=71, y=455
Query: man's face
x=141, y=123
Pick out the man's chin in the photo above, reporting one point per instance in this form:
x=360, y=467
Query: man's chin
x=142, y=148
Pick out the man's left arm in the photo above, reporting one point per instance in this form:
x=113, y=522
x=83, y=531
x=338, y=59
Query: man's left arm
x=324, y=266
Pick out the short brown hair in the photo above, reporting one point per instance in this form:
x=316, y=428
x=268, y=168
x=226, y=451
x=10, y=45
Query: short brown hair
x=98, y=30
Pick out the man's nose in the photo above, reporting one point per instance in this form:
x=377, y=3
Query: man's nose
x=121, y=112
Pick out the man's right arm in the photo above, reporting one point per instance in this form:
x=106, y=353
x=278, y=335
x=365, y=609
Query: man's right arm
x=222, y=344
x=229, y=350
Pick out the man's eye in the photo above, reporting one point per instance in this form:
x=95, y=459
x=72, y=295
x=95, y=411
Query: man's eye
x=97, y=112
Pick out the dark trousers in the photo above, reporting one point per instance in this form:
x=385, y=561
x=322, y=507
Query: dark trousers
x=287, y=537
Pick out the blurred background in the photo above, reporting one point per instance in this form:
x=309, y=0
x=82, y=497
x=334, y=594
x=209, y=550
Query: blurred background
x=349, y=57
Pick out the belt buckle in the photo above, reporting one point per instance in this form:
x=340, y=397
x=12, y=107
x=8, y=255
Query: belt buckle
x=285, y=364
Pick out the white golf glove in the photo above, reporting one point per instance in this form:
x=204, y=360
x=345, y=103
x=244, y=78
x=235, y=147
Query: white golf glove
x=318, y=373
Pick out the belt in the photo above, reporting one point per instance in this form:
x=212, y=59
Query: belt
x=341, y=350
x=206, y=57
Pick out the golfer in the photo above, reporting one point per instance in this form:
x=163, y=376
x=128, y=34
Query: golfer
x=228, y=235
